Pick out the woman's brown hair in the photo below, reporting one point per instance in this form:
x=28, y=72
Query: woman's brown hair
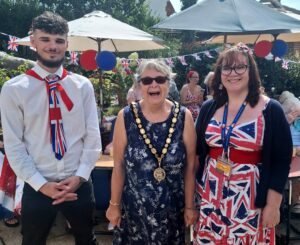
x=228, y=58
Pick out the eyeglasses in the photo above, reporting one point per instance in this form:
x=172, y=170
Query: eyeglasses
x=195, y=77
x=240, y=69
x=149, y=80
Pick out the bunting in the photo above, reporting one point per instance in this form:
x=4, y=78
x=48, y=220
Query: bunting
x=182, y=60
x=285, y=64
x=12, y=45
x=73, y=58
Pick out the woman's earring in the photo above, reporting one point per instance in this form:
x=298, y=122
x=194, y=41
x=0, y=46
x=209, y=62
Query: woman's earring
x=220, y=86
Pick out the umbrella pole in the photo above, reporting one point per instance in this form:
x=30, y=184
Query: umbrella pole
x=100, y=79
x=273, y=75
x=225, y=41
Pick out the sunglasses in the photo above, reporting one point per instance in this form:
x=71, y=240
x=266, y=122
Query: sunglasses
x=149, y=80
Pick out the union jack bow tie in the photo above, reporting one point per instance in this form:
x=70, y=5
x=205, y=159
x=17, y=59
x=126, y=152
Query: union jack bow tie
x=58, y=139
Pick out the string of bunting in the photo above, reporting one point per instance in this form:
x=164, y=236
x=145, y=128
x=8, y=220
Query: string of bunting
x=261, y=49
x=108, y=61
x=11, y=45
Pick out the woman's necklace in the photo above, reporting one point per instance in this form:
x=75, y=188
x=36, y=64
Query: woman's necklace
x=159, y=173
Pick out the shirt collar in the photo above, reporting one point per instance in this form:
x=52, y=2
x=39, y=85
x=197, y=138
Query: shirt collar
x=43, y=73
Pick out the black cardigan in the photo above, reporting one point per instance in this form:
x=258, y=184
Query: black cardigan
x=276, y=152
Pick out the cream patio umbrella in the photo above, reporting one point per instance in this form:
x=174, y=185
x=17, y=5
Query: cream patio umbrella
x=100, y=31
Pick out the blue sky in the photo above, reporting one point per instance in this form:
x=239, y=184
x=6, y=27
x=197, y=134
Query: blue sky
x=291, y=3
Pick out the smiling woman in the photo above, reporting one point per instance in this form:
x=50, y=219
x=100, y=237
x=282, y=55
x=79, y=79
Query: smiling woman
x=153, y=178
x=239, y=148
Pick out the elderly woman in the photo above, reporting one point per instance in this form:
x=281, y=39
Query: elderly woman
x=245, y=148
x=153, y=179
x=208, y=93
x=191, y=94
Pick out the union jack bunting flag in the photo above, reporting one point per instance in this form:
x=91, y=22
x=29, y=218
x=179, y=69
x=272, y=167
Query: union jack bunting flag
x=139, y=62
x=285, y=64
x=73, y=58
x=207, y=53
x=57, y=130
x=170, y=62
x=12, y=45
x=196, y=56
x=125, y=64
x=182, y=60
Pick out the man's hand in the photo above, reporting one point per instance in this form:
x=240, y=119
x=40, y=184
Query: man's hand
x=70, y=185
x=56, y=191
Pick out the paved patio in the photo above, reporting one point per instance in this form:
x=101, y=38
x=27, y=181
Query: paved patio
x=57, y=236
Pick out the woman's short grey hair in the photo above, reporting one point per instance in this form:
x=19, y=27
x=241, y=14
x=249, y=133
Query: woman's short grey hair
x=208, y=76
x=157, y=65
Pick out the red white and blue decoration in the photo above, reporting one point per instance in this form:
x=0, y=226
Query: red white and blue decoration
x=59, y=144
x=279, y=48
x=262, y=48
x=73, y=58
x=58, y=140
x=7, y=189
x=12, y=45
x=88, y=60
x=106, y=60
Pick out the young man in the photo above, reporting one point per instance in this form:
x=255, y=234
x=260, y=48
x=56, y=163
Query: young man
x=51, y=137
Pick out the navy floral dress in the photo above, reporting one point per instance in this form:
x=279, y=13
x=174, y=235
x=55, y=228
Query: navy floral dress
x=152, y=212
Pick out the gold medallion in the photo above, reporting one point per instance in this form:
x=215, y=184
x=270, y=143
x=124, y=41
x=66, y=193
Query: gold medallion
x=159, y=174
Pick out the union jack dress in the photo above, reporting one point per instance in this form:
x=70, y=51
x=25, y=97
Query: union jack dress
x=227, y=211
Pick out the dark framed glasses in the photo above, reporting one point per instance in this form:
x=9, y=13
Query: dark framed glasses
x=240, y=69
x=149, y=80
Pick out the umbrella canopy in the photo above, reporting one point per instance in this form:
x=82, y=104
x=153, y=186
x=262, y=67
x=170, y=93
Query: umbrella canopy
x=99, y=31
x=254, y=38
x=230, y=17
x=293, y=36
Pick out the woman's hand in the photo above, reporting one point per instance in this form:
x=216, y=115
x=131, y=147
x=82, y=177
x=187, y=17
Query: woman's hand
x=190, y=216
x=113, y=214
x=270, y=216
x=292, y=116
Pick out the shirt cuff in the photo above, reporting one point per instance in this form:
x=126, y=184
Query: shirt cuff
x=36, y=181
x=84, y=171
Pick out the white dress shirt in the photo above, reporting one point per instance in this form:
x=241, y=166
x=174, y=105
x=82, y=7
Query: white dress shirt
x=25, y=121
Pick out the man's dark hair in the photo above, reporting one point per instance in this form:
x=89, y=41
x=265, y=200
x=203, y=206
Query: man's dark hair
x=50, y=23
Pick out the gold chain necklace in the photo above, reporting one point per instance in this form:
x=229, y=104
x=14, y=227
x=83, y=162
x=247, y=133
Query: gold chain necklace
x=159, y=173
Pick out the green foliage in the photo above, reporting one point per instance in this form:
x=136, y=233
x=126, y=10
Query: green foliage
x=16, y=16
x=187, y=3
x=112, y=110
x=274, y=76
x=6, y=74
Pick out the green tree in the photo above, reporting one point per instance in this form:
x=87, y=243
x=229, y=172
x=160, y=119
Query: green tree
x=187, y=3
x=16, y=16
x=187, y=36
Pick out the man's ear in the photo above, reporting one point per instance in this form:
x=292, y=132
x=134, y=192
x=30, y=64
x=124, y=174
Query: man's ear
x=32, y=43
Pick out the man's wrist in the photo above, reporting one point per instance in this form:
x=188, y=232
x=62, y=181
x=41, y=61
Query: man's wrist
x=82, y=180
